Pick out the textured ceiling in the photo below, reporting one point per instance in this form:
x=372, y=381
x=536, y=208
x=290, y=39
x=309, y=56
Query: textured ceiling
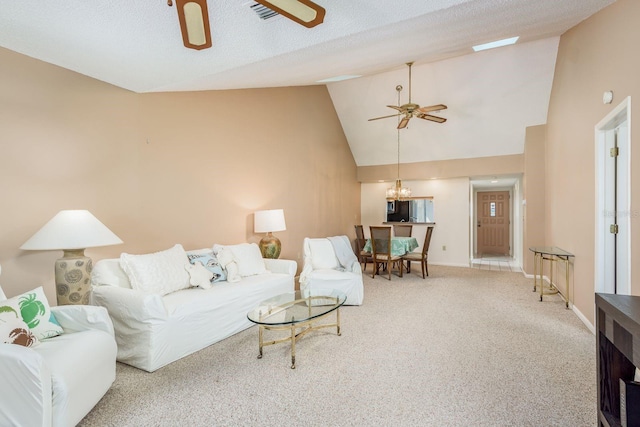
x=492, y=96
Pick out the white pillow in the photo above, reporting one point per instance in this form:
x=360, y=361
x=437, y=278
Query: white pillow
x=323, y=256
x=199, y=276
x=225, y=258
x=159, y=273
x=248, y=258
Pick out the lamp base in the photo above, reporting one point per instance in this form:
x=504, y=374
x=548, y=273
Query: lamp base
x=270, y=246
x=73, y=278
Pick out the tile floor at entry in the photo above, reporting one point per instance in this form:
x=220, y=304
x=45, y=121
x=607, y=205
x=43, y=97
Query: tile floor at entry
x=497, y=263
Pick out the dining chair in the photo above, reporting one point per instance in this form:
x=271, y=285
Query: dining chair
x=364, y=257
x=402, y=230
x=420, y=257
x=381, y=249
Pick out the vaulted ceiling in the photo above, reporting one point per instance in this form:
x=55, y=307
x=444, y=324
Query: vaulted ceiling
x=491, y=95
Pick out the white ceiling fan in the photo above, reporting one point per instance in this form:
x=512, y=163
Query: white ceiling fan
x=194, y=17
x=410, y=110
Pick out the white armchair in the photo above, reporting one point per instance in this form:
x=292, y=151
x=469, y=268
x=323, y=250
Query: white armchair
x=325, y=267
x=57, y=382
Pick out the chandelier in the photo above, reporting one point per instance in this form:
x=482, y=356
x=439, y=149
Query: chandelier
x=398, y=192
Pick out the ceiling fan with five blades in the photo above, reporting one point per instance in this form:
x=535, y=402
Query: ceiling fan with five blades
x=410, y=110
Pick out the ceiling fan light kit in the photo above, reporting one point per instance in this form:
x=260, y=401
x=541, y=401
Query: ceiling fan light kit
x=304, y=12
x=194, y=23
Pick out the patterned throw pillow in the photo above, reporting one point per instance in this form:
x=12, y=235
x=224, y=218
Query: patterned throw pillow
x=35, y=312
x=211, y=263
x=13, y=330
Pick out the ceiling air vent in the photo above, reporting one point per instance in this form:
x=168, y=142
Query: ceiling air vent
x=262, y=11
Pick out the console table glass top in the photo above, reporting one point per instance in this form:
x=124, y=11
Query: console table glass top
x=551, y=250
x=295, y=312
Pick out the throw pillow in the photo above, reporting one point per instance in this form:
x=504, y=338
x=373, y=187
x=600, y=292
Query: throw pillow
x=159, y=273
x=199, y=276
x=13, y=330
x=35, y=312
x=225, y=257
x=211, y=263
x=248, y=258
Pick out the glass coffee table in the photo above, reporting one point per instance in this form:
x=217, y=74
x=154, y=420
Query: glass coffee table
x=296, y=313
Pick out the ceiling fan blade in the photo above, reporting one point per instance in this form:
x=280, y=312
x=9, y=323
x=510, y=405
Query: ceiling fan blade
x=395, y=107
x=385, y=117
x=304, y=12
x=430, y=108
x=404, y=122
x=194, y=23
x=432, y=118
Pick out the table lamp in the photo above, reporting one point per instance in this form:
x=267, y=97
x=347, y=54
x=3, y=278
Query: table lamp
x=268, y=222
x=72, y=231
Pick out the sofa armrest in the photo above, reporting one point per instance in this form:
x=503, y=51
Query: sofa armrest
x=25, y=395
x=76, y=318
x=284, y=266
x=123, y=303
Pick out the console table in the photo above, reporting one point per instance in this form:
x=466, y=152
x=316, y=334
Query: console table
x=551, y=254
x=618, y=352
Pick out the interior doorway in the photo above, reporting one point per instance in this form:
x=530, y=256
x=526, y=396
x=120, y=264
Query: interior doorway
x=493, y=223
x=613, y=201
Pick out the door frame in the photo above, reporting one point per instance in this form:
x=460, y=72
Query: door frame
x=476, y=184
x=617, y=116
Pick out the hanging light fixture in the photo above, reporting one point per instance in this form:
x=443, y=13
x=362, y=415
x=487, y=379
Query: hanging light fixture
x=398, y=192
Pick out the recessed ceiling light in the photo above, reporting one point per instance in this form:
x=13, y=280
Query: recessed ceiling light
x=497, y=43
x=494, y=181
x=338, y=78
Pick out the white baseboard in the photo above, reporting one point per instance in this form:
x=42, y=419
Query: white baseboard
x=450, y=264
x=577, y=312
x=584, y=319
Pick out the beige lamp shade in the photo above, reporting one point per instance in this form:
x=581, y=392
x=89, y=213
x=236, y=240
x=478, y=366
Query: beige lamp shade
x=267, y=222
x=72, y=231
x=271, y=220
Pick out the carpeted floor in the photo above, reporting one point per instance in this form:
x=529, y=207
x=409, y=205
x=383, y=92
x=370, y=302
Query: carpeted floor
x=465, y=347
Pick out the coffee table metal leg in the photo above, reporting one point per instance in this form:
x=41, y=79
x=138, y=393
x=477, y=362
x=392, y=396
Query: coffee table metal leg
x=338, y=321
x=293, y=347
x=260, y=329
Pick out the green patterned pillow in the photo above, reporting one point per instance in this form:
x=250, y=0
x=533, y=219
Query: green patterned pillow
x=35, y=312
x=13, y=330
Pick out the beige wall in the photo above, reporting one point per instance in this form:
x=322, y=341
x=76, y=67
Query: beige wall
x=597, y=55
x=444, y=169
x=160, y=169
x=534, y=187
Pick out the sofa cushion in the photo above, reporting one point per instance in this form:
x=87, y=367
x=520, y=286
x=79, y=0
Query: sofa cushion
x=160, y=272
x=210, y=262
x=323, y=255
x=34, y=310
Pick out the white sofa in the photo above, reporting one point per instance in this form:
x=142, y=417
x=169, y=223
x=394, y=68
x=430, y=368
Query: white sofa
x=57, y=382
x=154, y=330
x=323, y=268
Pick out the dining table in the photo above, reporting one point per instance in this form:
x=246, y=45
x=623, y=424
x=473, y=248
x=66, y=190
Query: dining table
x=399, y=245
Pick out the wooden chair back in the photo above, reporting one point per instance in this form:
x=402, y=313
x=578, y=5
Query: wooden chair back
x=380, y=241
x=427, y=242
x=401, y=230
